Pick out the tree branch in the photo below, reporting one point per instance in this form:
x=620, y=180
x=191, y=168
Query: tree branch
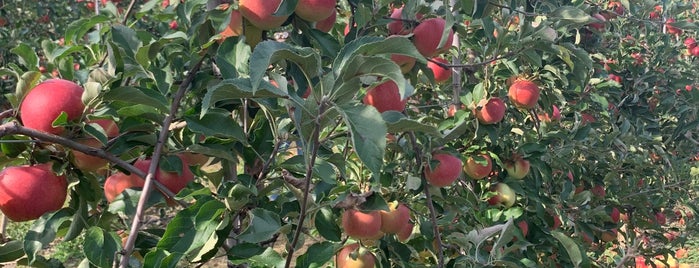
x=162, y=139
x=13, y=127
x=428, y=199
x=313, y=153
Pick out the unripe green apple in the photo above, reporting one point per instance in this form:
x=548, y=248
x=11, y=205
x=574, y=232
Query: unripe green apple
x=478, y=166
x=517, y=168
x=505, y=195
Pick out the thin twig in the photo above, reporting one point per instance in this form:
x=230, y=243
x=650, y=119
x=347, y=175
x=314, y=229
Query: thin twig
x=162, y=139
x=428, y=199
x=7, y=113
x=14, y=127
x=315, y=144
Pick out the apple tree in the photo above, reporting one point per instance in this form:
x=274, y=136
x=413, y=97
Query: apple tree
x=300, y=133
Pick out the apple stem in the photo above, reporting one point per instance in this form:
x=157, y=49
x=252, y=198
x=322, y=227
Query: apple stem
x=162, y=139
x=428, y=200
x=314, y=144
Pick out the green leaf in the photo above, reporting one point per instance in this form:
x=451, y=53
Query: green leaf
x=372, y=65
x=100, y=245
x=571, y=248
x=193, y=227
x=43, y=232
x=368, y=131
x=11, y=251
x=263, y=225
x=25, y=84
x=570, y=15
x=232, y=57
x=126, y=38
x=171, y=163
x=316, y=255
x=239, y=88
x=77, y=29
x=285, y=8
x=161, y=258
x=398, y=122
x=267, y=258
x=27, y=56
x=270, y=52
x=326, y=223
x=137, y=96
x=216, y=123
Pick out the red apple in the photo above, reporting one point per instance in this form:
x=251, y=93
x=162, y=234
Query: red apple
x=45, y=102
x=445, y=172
x=173, y=25
x=427, y=36
x=599, y=26
x=405, y=63
x=360, y=225
x=505, y=196
x=478, y=166
x=259, y=13
x=615, y=215
x=524, y=227
x=235, y=26
x=672, y=29
x=89, y=163
x=660, y=218
x=110, y=127
x=354, y=256
x=405, y=232
x=393, y=221
x=385, y=97
x=27, y=192
x=315, y=10
x=397, y=26
x=327, y=24
x=490, y=111
x=695, y=51
x=556, y=221
x=524, y=94
x=171, y=180
x=599, y=191
x=690, y=42
x=441, y=74
x=115, y=184
x=517, y=168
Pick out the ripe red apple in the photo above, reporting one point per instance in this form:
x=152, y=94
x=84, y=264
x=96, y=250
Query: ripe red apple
x=354, y=256
x=690, y=42
x=385, y=97
x=427, y=36
x=599, y=191
x=3, y=22
x=397, y=26
x=235, y=26
x=259, y=13
x=660, y=218
x=517, y=168
x=405, y=232
x=45, y=102
x=360, y=225
x=524, y=227
x=524, y=94
x=171, y=180
x=490, y=111
x=173, y=25
x=115, y=184
x=315, y=10
x=445, y=172
x=327, y=24
x=393, y=221
x=27, y=192
x=478, y=166
x=599, y=26
x=441, y=74
x=695, y=51
x=672, y=29
x=405, y=63
x=615, y=215
x=556, y=220
x=505, y=196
